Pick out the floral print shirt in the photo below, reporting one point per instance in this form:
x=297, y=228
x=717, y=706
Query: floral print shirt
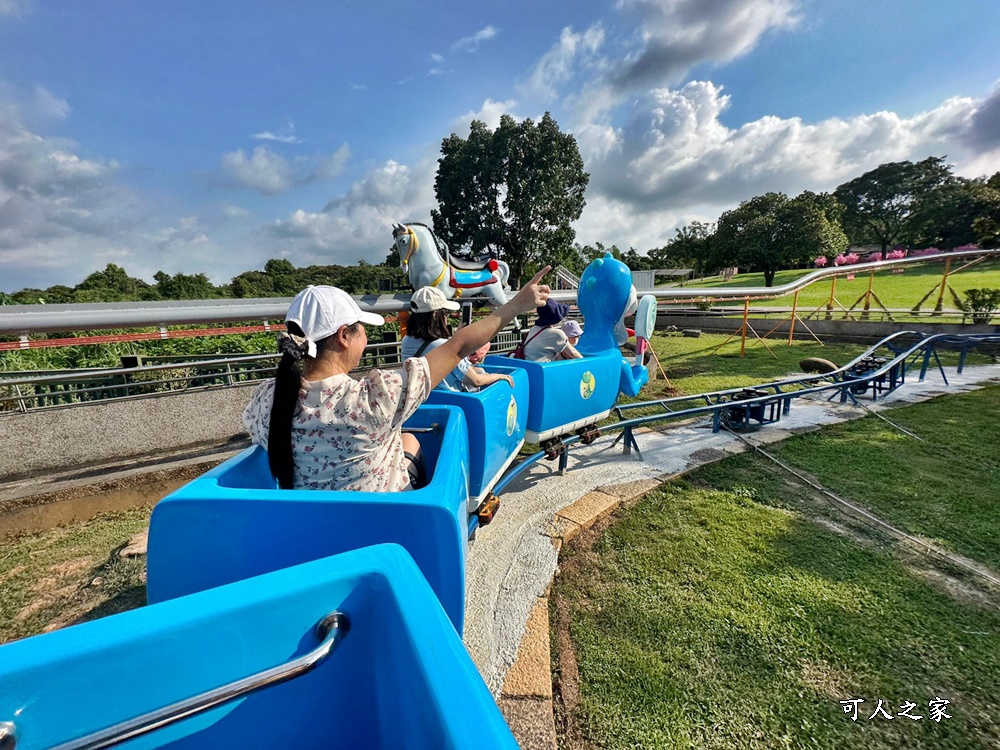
x=346, y=432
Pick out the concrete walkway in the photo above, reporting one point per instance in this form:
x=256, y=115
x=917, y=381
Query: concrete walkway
x=513, y=560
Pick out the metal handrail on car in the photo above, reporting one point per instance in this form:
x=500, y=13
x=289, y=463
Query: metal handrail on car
x=330, y=630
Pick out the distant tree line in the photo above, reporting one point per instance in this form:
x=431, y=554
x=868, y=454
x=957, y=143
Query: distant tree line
x=280, y=278
x=900, y=204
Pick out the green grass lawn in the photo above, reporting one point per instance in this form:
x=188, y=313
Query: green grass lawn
x=896, y=290
x=69, y=574
x=724, y=611
x=694, y=366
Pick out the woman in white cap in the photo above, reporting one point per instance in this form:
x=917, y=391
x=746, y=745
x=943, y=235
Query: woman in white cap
x=427, y=328
x=323, y=429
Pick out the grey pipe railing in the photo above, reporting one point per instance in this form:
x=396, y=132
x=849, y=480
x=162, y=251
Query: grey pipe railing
x=28, y=319
x=330, y=630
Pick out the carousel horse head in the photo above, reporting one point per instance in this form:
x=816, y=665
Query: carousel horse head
x=428, y=262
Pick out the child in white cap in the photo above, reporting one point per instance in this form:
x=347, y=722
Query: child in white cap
x=325, y=430
x=427, y=328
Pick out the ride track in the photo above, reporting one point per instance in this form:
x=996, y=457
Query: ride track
x=747, y=408
x=24, y=320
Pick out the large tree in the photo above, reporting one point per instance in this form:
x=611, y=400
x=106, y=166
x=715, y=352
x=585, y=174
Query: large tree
x=947, y=216
x=688, y=249
x=513, y=191
x=888, y=205
x=770, y=232
x=987, y=225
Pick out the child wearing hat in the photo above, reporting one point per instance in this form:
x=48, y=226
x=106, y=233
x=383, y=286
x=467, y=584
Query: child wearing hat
x=326, y=430
x=573, y=331
x=547, y=341
x=427, y=328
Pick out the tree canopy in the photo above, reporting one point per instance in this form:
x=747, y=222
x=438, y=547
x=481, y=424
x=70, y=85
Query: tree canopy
x=770, y=232
x=886, y=205
x=513, y=191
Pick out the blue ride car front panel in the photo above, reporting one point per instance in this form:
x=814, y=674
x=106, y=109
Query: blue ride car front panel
x=497, y=418
x=233, y=523
x=400, y=678
x=567, y=394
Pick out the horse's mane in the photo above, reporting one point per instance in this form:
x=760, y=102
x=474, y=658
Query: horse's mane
x=438, y=243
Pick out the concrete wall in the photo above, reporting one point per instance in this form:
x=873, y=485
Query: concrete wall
x=836, y=330
x=113, y=432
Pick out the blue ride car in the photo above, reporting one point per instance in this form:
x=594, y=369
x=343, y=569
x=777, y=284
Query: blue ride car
x=398, y=676
x=234, y=523
x=496, y=417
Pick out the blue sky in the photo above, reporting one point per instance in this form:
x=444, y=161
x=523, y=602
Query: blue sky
x=211, y=136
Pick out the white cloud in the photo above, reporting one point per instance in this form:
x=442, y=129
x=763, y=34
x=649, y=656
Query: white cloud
x=673, y=160
x=358, y=224
x=234, y=212
x=263, y=171
x=563, y=60
x=271, y=174
x=489, y=113
x=679, y=34
x=45, y=104
x=46, y=189
x=332, y=165
x=672, y=37
x=471, y=43
x=269, y=136
x=14, y=8
x=437, y=58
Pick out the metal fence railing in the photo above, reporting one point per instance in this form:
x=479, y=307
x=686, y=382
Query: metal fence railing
x=144, y=376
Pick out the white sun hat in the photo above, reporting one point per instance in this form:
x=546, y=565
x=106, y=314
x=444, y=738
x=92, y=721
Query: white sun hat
x=429, y=299
x=321, y=311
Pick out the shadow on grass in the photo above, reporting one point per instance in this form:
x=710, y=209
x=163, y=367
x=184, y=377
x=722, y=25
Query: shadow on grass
x=130, y=598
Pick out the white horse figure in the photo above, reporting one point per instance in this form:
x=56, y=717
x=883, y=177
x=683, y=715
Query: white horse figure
x=428, y=262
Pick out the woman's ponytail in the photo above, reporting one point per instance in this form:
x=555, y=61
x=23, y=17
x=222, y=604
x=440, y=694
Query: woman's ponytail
x=287, y=382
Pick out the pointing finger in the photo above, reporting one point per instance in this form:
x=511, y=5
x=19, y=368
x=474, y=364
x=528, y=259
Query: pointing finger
x=538, y=276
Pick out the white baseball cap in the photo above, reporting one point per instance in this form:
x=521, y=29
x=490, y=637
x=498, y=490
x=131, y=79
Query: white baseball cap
x=321, y=311
x=430, y=298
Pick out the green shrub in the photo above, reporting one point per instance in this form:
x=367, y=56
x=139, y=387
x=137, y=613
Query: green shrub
x=982, y=304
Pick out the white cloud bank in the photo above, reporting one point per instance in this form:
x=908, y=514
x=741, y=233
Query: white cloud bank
x=269, y=173
x=673, y=161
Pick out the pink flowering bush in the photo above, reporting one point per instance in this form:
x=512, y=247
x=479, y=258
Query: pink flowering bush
x=820, y=262
x=895, y=254
x=874, y=257
x=846, y=260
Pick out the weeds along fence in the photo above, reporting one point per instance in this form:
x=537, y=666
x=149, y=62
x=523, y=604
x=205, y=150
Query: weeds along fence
x=141, y=376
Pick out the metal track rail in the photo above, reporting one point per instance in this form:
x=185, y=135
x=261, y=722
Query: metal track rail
x=22, y=320
x=843, y=382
